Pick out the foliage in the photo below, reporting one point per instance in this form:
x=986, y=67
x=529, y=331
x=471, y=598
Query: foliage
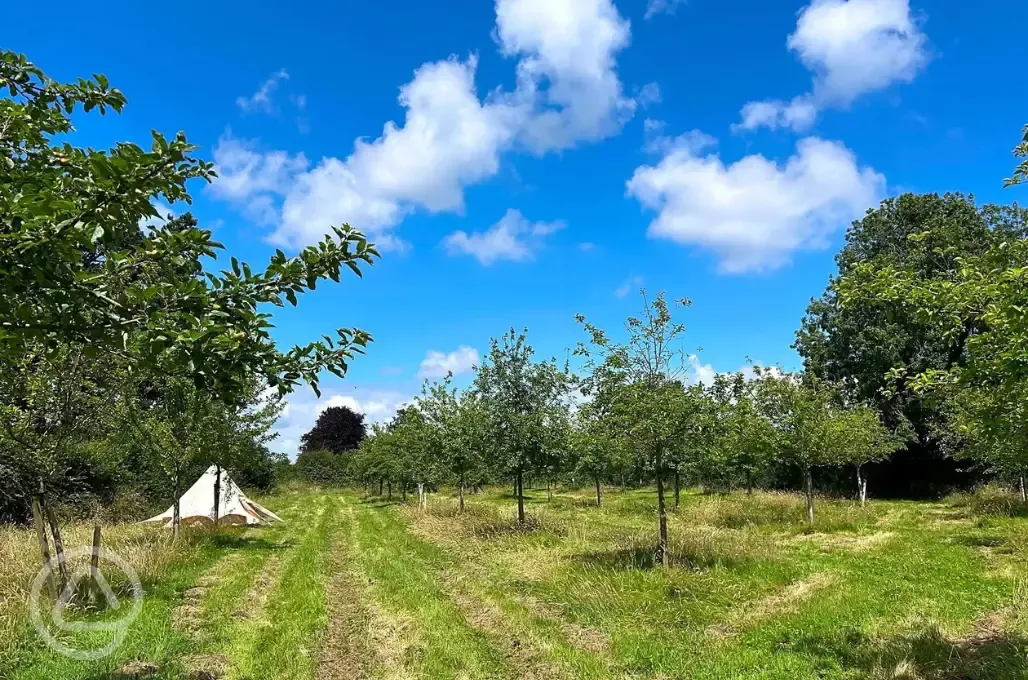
x=322, y=467
x=460, y=422
x=526, y=408
x=128, y=361
x=639, y=382
x=338, y=429
x=1021, y=171
x=859, y=339
x=73, y=272
x=744, y=443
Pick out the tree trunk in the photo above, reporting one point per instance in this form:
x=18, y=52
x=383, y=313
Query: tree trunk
x=421, y=495
x=861, y=485
x=381, y=483
x=460, y=503
x=55, y=531
x=749, y=482
x=662, y=548
x=520, y=485
x=389, y=490
x=597, y=491
x=678, y=489
x=623, y=486
x=1024, y=491
x=217, y=493
x=808, y=487
x=44, y=545
x=549, y=491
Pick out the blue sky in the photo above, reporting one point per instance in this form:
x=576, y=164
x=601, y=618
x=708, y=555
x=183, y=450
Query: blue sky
x=524, y=161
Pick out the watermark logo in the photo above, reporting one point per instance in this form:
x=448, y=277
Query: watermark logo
x=60, y=630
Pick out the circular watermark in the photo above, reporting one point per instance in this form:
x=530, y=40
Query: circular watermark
x=117, y=627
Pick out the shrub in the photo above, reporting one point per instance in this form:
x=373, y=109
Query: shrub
x=321, y=467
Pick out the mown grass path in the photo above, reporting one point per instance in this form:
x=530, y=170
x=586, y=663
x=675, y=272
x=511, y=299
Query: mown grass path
x=355, y=588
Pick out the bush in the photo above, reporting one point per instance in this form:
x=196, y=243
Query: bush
x=991, y=500
x=321, y=467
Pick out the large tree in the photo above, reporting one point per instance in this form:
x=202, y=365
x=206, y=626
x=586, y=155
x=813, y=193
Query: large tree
x=861, y=341
x=338, y=429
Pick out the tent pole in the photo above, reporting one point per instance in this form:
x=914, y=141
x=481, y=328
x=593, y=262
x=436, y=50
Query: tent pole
x=217, y=492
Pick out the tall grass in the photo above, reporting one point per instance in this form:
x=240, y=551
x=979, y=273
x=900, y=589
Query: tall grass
x=147, y=548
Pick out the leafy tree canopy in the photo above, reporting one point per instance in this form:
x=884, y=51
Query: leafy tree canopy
x=338, y=429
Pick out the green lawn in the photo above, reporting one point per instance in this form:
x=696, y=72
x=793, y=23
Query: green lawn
x=351, y=587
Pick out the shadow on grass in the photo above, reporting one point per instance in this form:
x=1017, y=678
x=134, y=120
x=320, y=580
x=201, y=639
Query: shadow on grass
x=645, y=557
x=985, y=654
x=977, y=541
x=235, y=541
x=380, y=502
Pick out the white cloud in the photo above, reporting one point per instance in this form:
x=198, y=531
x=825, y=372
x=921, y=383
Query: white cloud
x=655, y=141
x=648, y=95
x=798, y=114
x=567, y=92
x=699, y=373
x=302, y=409
x=437, y=364
x=858, y=46
x=566, y=68
x=630, y=284
x=853, y=47
x=655, y=7
x=252, y=179
x=755, y=213
x=512, y=238
x=261, y=99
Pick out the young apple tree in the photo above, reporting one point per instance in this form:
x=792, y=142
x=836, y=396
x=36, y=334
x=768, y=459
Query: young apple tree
x=640, y=381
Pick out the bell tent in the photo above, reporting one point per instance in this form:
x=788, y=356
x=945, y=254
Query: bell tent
x=214, y=497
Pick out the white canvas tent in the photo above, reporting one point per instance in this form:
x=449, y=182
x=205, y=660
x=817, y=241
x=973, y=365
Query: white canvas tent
x=198, y=506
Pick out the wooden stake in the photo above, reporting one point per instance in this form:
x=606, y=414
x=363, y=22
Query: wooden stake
x=62, y=566
x=44, y=545
x=94, y=565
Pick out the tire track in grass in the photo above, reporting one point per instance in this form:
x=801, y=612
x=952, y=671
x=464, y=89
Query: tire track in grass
x=278, y=639
x=346, y=649
x=430, y=630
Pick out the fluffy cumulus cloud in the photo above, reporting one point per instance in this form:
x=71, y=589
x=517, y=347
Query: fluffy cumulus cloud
x=699, y=373
x=567, y=92
x=302, y=409
x=512, y=238
x=252, y=179
x=437, y=364
x=852, y=47
x=566, y=68
x=754, y=213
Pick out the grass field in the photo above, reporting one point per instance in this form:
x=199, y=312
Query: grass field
x=351, y=587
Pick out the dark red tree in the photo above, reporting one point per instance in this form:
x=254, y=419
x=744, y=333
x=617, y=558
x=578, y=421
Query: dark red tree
x=338, y=429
